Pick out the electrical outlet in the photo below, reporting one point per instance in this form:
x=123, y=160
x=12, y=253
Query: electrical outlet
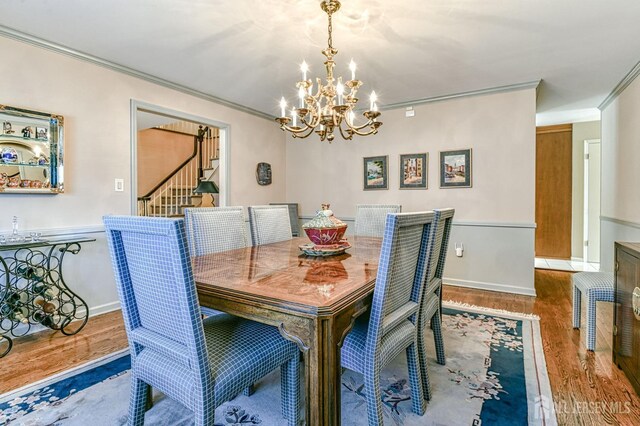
x=119, y=185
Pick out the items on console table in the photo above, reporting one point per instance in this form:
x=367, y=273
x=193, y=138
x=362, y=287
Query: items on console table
x=626, y=329
x=33, y=290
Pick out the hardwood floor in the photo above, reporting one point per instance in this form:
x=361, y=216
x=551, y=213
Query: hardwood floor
x=46, y=353
x=587, y=388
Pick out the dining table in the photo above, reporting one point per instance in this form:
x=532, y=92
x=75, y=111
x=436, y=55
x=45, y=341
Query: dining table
x=313, y=301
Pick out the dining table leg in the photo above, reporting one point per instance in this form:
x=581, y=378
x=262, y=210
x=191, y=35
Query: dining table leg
x=320, y=341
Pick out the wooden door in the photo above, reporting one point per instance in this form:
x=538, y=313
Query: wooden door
x=553, y=191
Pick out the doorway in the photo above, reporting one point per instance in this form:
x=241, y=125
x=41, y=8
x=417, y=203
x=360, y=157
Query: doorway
x=553, y=191
x=145, y=116
x=592, y=201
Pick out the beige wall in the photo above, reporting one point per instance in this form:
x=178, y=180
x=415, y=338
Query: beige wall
x=500, y=128
x=621, y=156
x=581, y=132
x=160, y=153
x=620, y=201
x=95, y=102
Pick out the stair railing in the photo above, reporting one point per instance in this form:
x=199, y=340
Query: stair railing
x=169, y=196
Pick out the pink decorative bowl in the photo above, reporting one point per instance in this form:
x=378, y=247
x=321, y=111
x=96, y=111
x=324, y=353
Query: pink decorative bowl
x=326, y=236
x=325, y=229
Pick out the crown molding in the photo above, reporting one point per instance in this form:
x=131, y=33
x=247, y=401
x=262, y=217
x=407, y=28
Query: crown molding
x=488, y=91
x=626, y=81
x=58, y=48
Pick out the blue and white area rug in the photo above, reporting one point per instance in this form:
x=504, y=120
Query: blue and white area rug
x=495, y=375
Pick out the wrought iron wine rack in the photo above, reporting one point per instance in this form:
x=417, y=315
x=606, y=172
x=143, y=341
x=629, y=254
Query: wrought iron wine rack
x=33, y=290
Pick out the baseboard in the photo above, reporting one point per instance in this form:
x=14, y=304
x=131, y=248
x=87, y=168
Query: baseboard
x=103, y=309
x=479, y=285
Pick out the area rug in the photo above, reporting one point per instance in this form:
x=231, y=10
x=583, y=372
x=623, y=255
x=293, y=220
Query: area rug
x=495, y=375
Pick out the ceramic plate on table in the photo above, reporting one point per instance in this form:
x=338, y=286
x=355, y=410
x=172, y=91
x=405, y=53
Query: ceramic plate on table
x=311, y=249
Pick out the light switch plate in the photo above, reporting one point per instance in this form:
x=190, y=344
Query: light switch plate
x=119, y=185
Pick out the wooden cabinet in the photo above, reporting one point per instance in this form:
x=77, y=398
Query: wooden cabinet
x=626, y=331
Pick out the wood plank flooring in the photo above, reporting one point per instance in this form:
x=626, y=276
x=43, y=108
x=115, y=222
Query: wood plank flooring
x=587, y=388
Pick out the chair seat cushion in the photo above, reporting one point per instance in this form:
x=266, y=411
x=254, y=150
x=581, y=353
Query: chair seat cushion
x=600, y=282
x=353, y=348
x=241, y=352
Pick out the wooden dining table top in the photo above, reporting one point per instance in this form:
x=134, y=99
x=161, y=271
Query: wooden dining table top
x=279, y=273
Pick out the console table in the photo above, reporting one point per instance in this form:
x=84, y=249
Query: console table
x=33, y=290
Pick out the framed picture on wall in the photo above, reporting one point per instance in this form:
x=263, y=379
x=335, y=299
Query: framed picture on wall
x=413, y=171
x=375, y=172
x=455, y=169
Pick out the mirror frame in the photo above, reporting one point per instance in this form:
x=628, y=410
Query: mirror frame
x=56, y=149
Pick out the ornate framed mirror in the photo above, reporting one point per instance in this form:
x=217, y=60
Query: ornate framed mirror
x=31, y=152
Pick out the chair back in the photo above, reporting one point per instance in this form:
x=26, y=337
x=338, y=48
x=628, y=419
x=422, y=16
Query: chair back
x=293, y=217
x=401, y=272
x=215, y=229
x=370, y=218
x=158, y=295
x=445, y=218
x=269, y=224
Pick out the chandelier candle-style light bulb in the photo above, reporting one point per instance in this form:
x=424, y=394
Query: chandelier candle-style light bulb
x=330, y=108
x=283, y=106
x=301, y=95
x=352, y=67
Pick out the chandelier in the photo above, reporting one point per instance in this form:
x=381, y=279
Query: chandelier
x=330, y=108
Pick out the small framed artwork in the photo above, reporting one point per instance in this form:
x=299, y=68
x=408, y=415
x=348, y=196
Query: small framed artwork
x=41, y=132
x=413, y=171
x=375, y=172
x=455, y=169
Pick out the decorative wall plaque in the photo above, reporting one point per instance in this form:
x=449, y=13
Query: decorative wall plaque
x=263, y=174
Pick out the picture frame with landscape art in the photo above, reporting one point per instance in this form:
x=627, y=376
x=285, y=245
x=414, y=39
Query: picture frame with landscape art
x=375, y=172
x=413, y=171
x=455, y=169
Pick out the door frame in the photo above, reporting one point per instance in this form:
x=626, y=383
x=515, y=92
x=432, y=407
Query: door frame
x=225, y=145
x=585, y=207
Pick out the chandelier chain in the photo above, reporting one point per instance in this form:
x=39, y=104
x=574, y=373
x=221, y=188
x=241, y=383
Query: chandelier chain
x=330, y=39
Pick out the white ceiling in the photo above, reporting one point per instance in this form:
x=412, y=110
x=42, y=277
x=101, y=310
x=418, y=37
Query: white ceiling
x=248, y=51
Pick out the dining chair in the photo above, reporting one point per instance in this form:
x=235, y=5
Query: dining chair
x=212, y=230
x=376, y=339
x=431, y=305
x=293, y=217
x=269, y=224
x=215, y=229
x=370, y=218
x=200, y=363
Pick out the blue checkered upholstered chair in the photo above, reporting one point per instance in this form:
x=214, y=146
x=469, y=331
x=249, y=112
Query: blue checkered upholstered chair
x=199, y=363
x=371, y=218
x=212, y=230
x=431, y=307
x=390, y=328
x=215, y=229
x=597, y=287
x=269, y=224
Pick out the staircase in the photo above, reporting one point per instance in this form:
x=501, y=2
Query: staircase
x=175, y=193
